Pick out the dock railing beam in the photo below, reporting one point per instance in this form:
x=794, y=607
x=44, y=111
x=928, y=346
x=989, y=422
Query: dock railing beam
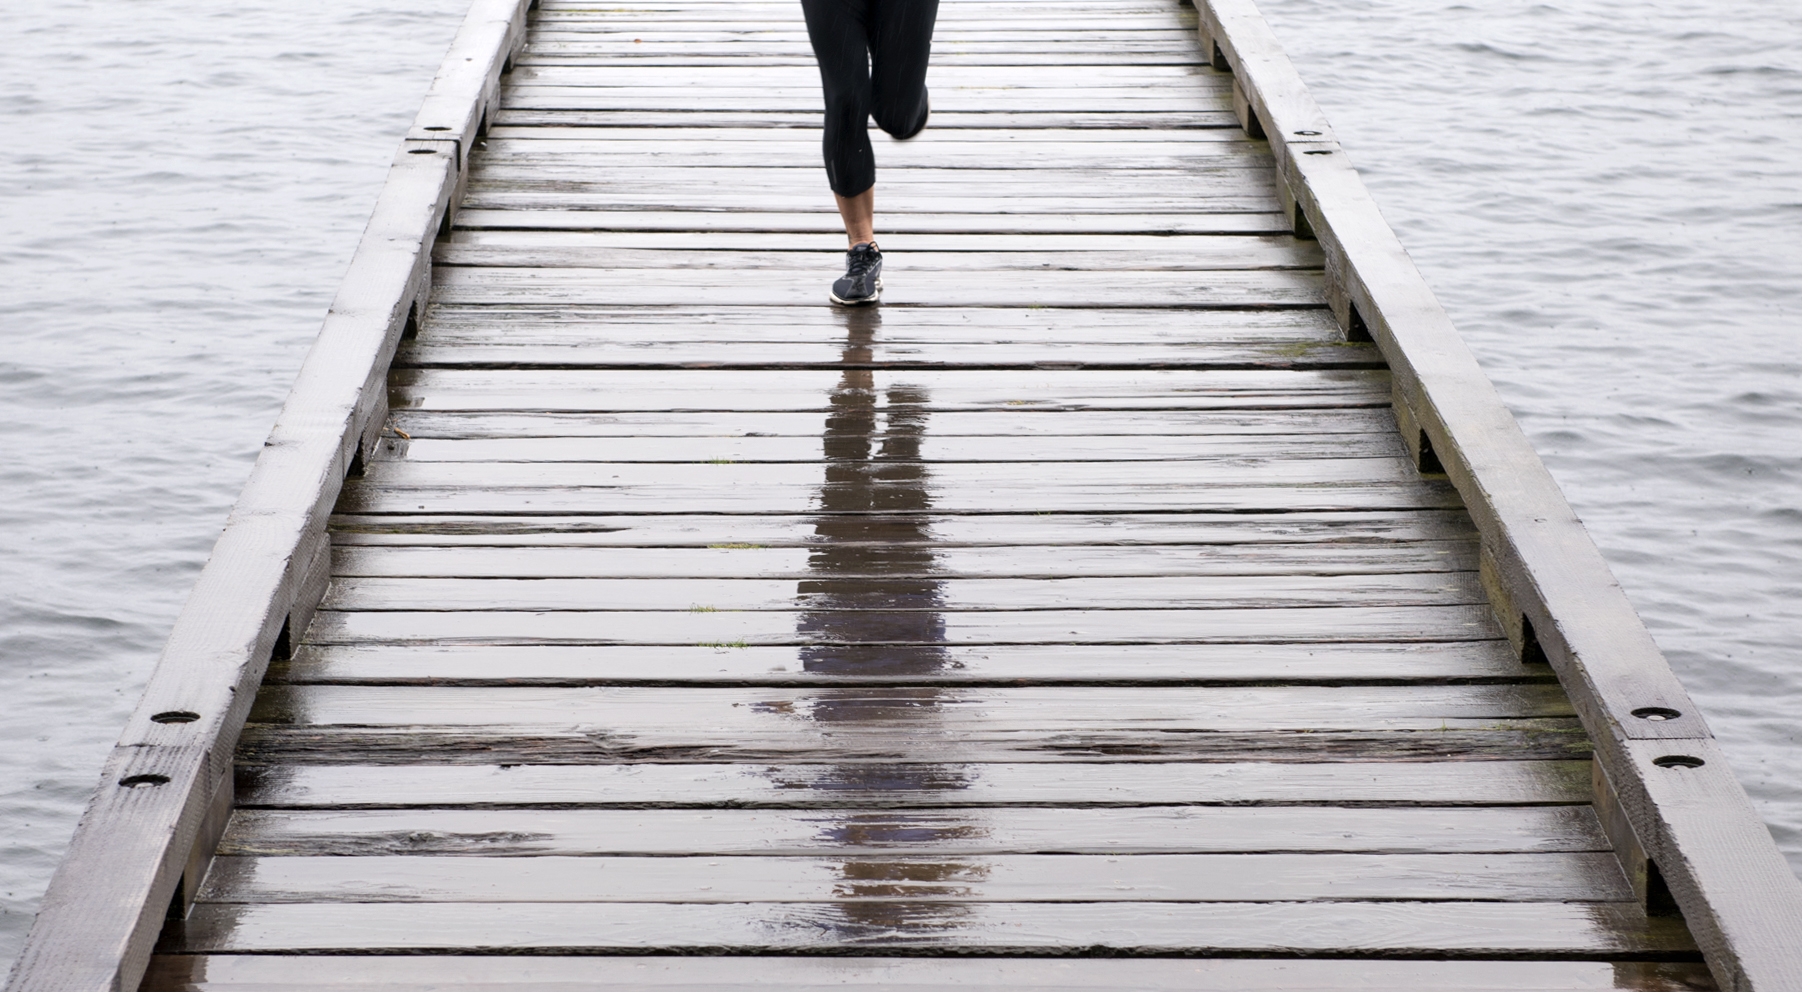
x=1548, y=582
x=145, y=839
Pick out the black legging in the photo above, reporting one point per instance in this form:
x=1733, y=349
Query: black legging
x=872, y=56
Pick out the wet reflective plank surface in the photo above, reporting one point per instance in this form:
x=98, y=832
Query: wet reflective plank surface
x=1081, y=603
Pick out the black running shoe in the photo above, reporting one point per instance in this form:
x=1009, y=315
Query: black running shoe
x=862, y=282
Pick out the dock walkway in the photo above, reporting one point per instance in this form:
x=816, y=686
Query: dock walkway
x=1080, y=618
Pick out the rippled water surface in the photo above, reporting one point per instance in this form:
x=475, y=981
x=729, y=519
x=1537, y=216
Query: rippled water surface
x=1605, y=195
x=181, y=186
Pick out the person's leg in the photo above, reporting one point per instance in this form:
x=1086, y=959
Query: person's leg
x=839, y=32
x=900, y=45
x=859, y=215
x=840, y=40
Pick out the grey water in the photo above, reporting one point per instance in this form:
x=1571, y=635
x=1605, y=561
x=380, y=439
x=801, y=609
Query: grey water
x=1606, y=196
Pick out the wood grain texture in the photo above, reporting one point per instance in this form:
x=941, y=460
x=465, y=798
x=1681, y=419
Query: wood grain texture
x=892, y=973
x=933, y=450
x=1467, y=929
x=1347, y=663
x=1211, y=255
x=1004, y=830
x=943, y=595
x=943, y=122
x=903, y=530
x=903, y=785
x=1306, y=625
x=1040, y=561
x=1262, y=288
x=1264, y=217
x=906, y=881
x=644, y=711
x=1510, y=740
x=604, y=391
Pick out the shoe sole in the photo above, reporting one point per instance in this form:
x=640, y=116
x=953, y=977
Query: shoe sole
x=875, y=297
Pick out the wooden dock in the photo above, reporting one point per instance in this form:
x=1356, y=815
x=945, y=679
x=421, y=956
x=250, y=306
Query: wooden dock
x=1152, y=594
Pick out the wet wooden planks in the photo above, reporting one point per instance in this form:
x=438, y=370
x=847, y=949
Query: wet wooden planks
x=1082, y=600
x=892, y=973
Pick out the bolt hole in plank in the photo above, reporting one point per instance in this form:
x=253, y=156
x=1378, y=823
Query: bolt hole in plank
x=175, y=716
x=143, y=781
x=1657, y=714
x=1678, y=761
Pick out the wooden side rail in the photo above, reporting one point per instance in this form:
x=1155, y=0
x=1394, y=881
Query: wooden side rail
x=1659, y=768
x=165, y=791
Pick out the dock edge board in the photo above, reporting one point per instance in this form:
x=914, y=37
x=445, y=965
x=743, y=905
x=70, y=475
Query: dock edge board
x=147, y=835
x=165, y=790
x=1685, y=814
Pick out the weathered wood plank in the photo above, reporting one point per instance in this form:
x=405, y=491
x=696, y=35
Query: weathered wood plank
x=943, y=121
x=801, y=78
x=453, y=495
x=943, y=664
x=968, y=89
x=857, y=487
x=1299, y=356
x=909, y=881
x=602, y=198
x=514, y=141
x=1090, y=248
x=656, y=712
x=942, y=483
x=536, y=159
x=933, y=449
x=986, y=530
x=902, y=786
x=1006, y=830
x=1292, y=625
x=1209, y=255
x=1543, y=739
x=1156, y=57
x=826, y=590
x=751, y=27
x=948, y=35
x=1235, y=185
x=549, y=390
x=516, y=973
x=952, y=35
x=800, y=53
x=978, y=96
x=1269, y=218
x=1467, y=928
x=423, y=425
x=1032, y=561
x=904, y=287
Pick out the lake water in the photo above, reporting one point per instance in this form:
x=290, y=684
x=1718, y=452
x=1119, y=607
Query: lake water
x=1605, y=195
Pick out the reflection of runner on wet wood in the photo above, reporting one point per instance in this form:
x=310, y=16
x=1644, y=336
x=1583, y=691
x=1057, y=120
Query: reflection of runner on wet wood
x=1084, y=601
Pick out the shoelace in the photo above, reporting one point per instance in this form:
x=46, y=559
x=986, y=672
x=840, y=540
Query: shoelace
x=862, y=261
